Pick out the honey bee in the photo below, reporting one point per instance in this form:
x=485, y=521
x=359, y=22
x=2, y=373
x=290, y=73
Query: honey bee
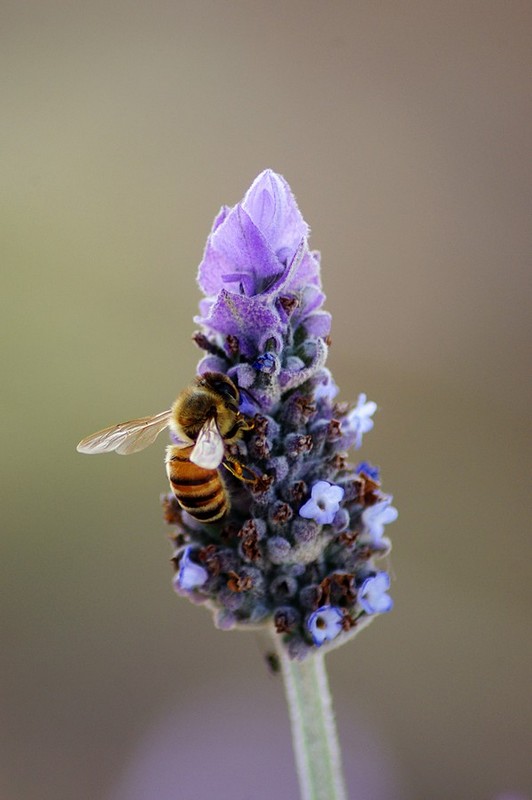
x=204, y=418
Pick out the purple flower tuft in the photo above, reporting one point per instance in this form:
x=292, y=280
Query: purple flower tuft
x=304, y=527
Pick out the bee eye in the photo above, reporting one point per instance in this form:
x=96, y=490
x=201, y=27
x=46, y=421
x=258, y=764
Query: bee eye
x=222, y=385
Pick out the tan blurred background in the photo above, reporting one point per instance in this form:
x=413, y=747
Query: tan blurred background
x=404, y=130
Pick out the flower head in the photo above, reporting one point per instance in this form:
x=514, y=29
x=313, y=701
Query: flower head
x=304, y=527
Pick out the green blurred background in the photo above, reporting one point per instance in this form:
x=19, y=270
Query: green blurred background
x=404, y=130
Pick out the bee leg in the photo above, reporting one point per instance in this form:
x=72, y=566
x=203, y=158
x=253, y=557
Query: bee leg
x=237, y=469
x=245, y=424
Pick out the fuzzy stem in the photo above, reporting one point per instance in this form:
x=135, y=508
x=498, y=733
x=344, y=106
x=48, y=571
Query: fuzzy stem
x=315, y=741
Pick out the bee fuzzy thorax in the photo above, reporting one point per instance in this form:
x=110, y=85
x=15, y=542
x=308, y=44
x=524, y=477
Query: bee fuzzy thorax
x=211, y=396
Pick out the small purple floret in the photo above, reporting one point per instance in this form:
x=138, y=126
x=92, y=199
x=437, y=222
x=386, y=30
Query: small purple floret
x=323, y=504
x=358, y=421
x=374, y=518
x=266, y=363
x=325, y=624
x=369, y=470
x=190, y=575
x=372, y=595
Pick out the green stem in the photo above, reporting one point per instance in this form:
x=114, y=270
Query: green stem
x=315, y=741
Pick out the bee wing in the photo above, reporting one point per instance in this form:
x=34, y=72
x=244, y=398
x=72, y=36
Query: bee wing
x=126, y=437
x=208, y=452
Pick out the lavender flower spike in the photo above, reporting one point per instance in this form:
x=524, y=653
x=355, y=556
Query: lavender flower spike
x=305, y=527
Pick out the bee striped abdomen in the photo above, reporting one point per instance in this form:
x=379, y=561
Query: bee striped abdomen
x=200, y=492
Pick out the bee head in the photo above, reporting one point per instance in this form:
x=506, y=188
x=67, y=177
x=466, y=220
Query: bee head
x=222, y=385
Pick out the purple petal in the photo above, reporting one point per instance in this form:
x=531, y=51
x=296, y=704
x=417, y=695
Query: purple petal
x=243, y=375
x=301, y=275
x=272, y=207
x=237, y=252
x=248, y=318
x=211, y=364
x=222, y=214
x=318, y=324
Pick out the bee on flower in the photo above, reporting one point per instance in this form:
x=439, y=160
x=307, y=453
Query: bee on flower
x=297, y=546
x=271, y=523
x=309, y=524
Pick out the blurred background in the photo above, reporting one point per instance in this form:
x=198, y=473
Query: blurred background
x=404, y=131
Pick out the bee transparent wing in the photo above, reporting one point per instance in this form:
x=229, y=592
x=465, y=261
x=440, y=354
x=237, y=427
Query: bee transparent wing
x=208, y=452
x=126, y=437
